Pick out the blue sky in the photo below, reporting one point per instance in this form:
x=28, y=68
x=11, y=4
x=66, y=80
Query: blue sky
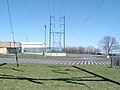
x=28, y=23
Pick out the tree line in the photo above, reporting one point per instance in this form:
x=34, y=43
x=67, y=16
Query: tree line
x=82, y=50
x=107, y=44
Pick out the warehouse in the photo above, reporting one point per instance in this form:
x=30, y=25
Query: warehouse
x=33, y=47
x=29, y=48
x=22, y=47
x=10, y=47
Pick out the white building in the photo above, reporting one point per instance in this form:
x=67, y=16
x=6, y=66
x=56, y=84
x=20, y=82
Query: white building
x=33, y=47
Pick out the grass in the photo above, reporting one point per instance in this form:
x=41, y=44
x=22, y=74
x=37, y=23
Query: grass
x=37, y=56
x=41, y=56
x=105, y=57
x=6, y=54
x=58, y=77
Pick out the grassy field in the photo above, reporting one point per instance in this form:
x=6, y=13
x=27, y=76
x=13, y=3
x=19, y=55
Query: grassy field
x=37, y=56
x=58, y=77
x=41, y=56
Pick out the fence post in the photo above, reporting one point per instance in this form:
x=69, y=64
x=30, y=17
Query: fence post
x=119, y=63
x=111, y=61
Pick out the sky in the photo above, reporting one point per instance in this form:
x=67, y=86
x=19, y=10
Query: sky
x=86, y=21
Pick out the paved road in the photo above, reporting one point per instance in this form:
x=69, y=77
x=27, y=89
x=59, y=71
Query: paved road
x=68, y=61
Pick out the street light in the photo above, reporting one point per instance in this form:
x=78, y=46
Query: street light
x=45, y=39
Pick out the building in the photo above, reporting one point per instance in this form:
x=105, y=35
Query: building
x=10, y=47
x=33, y=47
x=39, y=48
x=30, y=48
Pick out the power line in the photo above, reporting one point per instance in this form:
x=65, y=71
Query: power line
x=54, y=8
x=49, y=7
x=66, y=3
x=88, y=18
x=71, y=6
x=60, y=7
x=66, y=7
x=27, y=39
x=11, y=25
x=30, y=10
x=93, y=12
x=63, y=7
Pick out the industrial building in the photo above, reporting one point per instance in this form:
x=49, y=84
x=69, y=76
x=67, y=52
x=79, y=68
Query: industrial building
x=10, y=47
x=30, y=48
x=21, y=47
x=33, y=47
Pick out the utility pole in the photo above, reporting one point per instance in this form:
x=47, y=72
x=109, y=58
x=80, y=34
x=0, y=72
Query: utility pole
x=15, y=49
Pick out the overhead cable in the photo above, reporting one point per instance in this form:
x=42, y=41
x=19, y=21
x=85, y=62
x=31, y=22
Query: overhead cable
x=92, y=13
x=11, y=25
x=49, y=7
x=54, y=8
x=30, y=10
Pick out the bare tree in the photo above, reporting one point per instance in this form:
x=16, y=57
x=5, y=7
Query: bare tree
x=80, y=50
x=90, y=49
x=108, y=44
x=97, y=50
x=71, y=50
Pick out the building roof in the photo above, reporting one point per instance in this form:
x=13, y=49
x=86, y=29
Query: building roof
x=9, y=44
x=33, y=43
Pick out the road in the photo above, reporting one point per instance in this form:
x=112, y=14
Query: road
x=67, y=61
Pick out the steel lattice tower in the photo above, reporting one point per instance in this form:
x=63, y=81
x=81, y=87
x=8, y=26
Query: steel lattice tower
x=57, y=38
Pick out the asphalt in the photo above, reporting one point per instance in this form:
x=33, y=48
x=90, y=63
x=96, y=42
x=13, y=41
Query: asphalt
x=66, y=61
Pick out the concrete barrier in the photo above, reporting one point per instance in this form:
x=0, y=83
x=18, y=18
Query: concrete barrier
x=55, y=54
